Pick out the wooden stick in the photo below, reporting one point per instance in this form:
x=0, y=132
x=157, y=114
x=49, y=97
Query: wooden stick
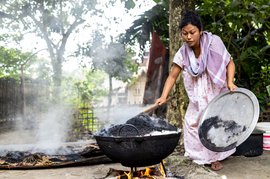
x=155, y=106
x=151, y=108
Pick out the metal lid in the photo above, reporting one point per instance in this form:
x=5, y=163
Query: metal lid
x=228, y=120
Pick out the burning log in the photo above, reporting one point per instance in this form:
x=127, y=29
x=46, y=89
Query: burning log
x=149, y=172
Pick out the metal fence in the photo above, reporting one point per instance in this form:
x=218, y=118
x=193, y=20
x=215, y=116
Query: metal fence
x=85, y=123
x=15, y=99
x=10, y=99
x=32, y=98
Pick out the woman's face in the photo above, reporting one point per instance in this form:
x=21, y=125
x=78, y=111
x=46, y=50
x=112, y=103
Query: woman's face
x=191, y=35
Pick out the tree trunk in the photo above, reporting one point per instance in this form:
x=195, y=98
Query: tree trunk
x=57, y=78
x=110, y=92
x=177, y=106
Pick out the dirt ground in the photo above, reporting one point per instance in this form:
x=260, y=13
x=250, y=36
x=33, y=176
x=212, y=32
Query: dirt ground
x=235, y=167
x=177, y=166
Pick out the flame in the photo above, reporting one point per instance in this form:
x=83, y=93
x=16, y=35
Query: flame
x=148, y=173
x=162, y=170
x=128, y=174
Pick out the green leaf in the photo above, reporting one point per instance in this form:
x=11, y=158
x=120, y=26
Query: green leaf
x=129, y=4
x=157, y=1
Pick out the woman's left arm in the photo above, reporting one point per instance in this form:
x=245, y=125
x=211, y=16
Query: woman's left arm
x=230, y=75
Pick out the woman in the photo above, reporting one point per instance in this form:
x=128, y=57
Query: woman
x=207, y=70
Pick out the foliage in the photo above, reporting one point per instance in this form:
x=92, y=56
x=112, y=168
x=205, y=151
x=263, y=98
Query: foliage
x=129, y=4
x=244, y=26
x=114, y=58
x=39, y=69
x=111, y=60
x=13, y=61
x=86, y=91
x=155, y=19
x=53, y=21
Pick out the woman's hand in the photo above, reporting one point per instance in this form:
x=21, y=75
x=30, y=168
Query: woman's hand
x=169, y=84
x=231, y=86
x=161, y=101
x=230, y=76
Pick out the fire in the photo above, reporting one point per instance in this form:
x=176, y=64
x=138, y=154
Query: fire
x=148, y=173
x=162, y=169
x=128, y=174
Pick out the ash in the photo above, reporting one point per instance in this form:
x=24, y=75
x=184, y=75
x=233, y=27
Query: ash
x=220, y=133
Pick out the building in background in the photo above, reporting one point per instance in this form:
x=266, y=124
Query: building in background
x=149, y=80
x=132, y=93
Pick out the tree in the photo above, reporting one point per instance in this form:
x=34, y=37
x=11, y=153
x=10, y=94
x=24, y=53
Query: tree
x=244, y=27
x=54, y=21
x=164, y=19
x=113, y=58
x=177, y=107
x=87, y=90
x=155, y=19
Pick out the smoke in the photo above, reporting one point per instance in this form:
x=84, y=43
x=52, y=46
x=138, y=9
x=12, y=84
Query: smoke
x=118, y=114
x=46, y=133
x=53, y=128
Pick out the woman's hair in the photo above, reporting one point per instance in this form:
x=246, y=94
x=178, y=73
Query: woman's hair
x=191, y=17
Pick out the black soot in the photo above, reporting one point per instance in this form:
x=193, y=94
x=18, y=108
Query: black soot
x=216, y=132
x=139, y=125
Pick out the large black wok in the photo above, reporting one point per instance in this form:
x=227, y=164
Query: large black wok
x=133, y=145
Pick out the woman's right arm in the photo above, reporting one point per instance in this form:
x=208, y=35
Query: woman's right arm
x=175, y=71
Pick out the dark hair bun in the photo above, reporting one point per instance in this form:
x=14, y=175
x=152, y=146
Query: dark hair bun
x=191, y=17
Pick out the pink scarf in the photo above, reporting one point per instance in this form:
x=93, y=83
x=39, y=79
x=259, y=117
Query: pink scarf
x=213, y=60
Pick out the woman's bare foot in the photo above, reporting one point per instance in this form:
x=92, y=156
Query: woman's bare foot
x=216, y=166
